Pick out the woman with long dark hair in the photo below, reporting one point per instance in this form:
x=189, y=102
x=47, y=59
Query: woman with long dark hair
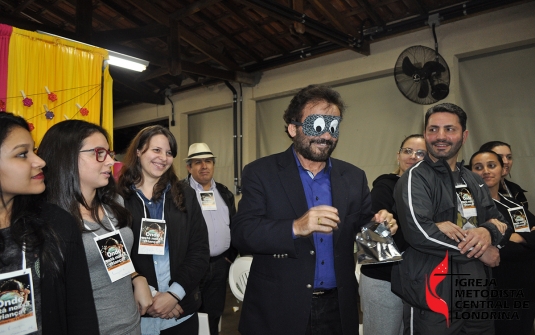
x=516, y=272
x=174, y=256
x=79, y=180
x=40, y=245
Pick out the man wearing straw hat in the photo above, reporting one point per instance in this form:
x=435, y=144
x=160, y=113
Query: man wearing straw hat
x=217, y=204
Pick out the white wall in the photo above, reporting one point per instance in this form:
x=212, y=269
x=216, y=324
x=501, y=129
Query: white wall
x=479, y=35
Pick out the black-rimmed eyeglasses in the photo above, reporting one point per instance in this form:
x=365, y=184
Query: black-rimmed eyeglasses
x=101, y=153
x=409, y=151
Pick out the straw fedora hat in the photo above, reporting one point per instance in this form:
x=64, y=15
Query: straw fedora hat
x=199, y=150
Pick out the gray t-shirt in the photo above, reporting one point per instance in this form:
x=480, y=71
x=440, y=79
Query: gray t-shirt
x=116, y=308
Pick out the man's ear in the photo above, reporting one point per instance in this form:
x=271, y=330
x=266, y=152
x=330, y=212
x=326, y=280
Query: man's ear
x=465, y=136
x=292, y=130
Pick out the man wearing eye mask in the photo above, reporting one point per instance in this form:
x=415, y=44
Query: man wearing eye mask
x=299, y=215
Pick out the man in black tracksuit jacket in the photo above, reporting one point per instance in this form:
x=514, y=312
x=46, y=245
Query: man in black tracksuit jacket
x=453, y=301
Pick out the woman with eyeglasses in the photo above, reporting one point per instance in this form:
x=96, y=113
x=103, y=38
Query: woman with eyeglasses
x=516, y=272
x=170, y=235
x=78, y=179
x=383, y=310
x=43, y=269
x=507, y=187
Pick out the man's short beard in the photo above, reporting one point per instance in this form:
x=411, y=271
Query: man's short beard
x=455, y=147
x=303, y=144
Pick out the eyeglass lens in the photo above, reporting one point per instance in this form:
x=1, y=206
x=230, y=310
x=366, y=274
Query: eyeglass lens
x=103, y=153
x=410, y=151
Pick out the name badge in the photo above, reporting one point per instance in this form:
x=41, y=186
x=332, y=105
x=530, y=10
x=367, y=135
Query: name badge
x=208, y=201
x=115, y=255
x=467, y=206
x=152, y=237
x=17, y=307
x=519, y=219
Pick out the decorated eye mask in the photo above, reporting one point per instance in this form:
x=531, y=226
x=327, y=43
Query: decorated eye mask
x=317, y=125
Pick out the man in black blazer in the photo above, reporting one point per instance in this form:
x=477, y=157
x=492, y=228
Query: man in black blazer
x=299, y=215
x=217, y=204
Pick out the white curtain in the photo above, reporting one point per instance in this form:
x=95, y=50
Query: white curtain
x=215, y=128
x=498, y=94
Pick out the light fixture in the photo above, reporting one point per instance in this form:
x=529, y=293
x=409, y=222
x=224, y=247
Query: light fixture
x=115, y=58
x=127, y=62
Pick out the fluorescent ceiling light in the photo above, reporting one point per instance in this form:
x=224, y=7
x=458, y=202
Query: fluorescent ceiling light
x=127, y=62
x=115, y=58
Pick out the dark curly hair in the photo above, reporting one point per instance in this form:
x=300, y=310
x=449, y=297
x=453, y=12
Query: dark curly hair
x=131, y=173
x=311, y=94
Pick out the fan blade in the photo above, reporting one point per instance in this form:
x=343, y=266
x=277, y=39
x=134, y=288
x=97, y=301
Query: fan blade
x=440, y=91
x=433, y=67
x=424, y=89
x=408, y=68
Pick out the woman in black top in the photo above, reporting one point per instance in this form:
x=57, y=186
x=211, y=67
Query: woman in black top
x=176, y=261
x=382, y=310
x=516, y=272
x=38, y=242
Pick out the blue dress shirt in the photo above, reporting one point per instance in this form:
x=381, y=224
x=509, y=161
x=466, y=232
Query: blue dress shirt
x=318, y=192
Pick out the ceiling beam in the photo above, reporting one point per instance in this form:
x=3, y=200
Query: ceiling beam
x=207, y=49
x=151, y=74
x=174, y=48
x=298, y=6
x=208, y=71
x=370, y=12
x=34, y=26
x=235, y=43
x=131, y=34
x=84, y=20
x=21, y=6
x=155, y=13
x=422, y=10
x=336, y=18
x=314, y=27
x=193, y=8
x=193, y=39
x=251, y=24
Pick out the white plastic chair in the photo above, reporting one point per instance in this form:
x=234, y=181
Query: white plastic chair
x=204, y=327
x=357, y=272
x=238, y=275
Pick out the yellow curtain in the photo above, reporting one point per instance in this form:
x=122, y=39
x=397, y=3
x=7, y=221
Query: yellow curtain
x=72, y=72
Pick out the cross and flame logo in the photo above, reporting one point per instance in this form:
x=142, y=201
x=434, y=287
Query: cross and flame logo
x=434, y=301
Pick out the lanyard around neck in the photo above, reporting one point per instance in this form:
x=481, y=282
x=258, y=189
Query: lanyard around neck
x=502, y=196
x=144, y=207
x=109, y=220
x=23, y=256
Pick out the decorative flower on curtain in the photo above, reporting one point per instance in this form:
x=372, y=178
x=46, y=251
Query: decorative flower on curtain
x=51, y=95
x=30, y=125
x=49, y=115
x=2, y=106
x=27, y=102
x=84, y=111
